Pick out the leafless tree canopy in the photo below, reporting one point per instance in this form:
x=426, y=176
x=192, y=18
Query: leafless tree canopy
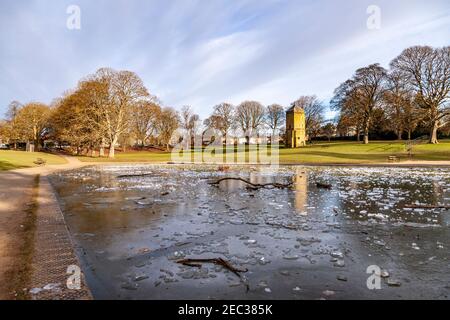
x=275, y=116
x=400, y=110
x=250, y=117
x=314, y=110
x=111, y=107
x=169, y=122
x=360, y=96
x=144, y=121
x=426, y=70
x=125, y=91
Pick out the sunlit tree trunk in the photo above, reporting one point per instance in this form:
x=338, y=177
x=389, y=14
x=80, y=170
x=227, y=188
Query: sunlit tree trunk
x=433, y=134
x=366, y=132
x=112, y=151
x=102, y=148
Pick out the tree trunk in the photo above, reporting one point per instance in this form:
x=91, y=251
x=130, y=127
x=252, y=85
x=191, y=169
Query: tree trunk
x=112, y=151
x=366, y=138
x=433, y=134
x=366, y=132
x=409, y=134
x=102, y=148
x=399, y=134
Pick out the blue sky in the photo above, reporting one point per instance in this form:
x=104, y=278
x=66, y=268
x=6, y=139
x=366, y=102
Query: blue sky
x=203, y=52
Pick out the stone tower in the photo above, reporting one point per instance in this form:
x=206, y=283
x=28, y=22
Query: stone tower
x=295, y=127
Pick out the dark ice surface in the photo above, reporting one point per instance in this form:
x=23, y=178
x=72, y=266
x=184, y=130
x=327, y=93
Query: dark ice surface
x=298, y=243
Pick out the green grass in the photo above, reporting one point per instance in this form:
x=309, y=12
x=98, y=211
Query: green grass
x=321, y=153
x=352, y=152
x=10, y=159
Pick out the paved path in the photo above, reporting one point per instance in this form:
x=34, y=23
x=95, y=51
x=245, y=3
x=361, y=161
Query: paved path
x=15, y=193
x=53, y=254
x=52, y=247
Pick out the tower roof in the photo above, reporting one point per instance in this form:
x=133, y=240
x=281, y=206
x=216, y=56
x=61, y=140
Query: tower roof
x=295, y=108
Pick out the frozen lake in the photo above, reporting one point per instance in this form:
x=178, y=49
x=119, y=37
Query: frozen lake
x=302, y=242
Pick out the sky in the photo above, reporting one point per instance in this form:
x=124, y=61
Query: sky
x=204, y=52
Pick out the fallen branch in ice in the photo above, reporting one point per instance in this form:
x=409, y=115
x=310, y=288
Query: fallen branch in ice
x=323, y=185
x=134, y=175
x=425, y=206
x=254, y=186
x=279, y=225
x=218, y=261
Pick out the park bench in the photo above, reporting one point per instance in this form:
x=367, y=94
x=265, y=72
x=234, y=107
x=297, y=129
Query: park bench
x=393, y=159
x=40, y=162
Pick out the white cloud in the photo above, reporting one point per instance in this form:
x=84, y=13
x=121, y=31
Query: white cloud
x=206, y=52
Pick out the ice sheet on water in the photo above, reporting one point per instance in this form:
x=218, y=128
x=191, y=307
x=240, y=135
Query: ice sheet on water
x=264, y=229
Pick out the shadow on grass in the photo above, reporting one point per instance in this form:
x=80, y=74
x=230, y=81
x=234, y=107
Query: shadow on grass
x=5, y=165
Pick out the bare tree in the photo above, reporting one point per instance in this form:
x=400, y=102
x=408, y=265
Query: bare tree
x=427, y=71
x=396, y=98
x=275, y=116
x=190, y=123
x=350, y=119
x=31, y=122
x=77, y=117
x=125, y=90
x=401, y=110
x=362, y=95
x=249, y=117
x=329, y=130
x=13, y=109
x=186, y=117
x=144, y=120
x=222, y=119
x=10, y=127
x=411, y=116
x=168, y=123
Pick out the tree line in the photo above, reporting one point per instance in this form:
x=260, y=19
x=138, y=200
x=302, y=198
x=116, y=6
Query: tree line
x=110, y=108
x=413, y=93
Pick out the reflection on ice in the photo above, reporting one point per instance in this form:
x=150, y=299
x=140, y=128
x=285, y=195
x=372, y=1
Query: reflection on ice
x=133, y=222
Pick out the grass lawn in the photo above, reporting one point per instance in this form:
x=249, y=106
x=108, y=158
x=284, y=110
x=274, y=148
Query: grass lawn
x=20, y=159
x=320, y=153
